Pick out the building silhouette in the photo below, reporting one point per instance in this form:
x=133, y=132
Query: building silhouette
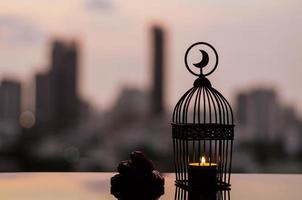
x=10, y=101
x=262, y=118
x=258, y=115
x=57, y=102
x=10, y=109
x=131, y=105
x=158, y=65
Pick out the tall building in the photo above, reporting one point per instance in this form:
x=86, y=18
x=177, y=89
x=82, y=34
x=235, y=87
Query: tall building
x=258, y=115
x=158, y=65
x=10, y=102
x=45, y=101
x=10, y=110
x=57, y=102
x=242, y=109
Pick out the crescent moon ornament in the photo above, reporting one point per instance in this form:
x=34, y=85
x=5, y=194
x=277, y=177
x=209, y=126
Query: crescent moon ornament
x=204, y=61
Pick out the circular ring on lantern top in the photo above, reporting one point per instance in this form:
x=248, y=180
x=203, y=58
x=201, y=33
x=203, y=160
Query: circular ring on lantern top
x=205, y=59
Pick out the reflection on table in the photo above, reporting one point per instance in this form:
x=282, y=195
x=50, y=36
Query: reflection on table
x=206, y=194
x=96, y=186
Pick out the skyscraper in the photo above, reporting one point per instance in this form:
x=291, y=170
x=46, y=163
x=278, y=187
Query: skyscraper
x=10, y=109
x=45, y=101
x=158, y=65
x=57, y=102
x=258, y=115
x=10, y=102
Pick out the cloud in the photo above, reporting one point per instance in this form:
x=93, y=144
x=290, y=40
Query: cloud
x=15, y=29
x=96, y=5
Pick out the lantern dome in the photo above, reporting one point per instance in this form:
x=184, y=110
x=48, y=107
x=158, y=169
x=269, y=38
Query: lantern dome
x=203, y=104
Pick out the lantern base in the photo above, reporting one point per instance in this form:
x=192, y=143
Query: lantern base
x=202, y=194
x=184, y=184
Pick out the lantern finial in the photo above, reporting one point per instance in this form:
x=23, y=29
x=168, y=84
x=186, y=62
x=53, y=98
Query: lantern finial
x=203, y=48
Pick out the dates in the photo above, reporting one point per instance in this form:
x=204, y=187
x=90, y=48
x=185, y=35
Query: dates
x=137, y=179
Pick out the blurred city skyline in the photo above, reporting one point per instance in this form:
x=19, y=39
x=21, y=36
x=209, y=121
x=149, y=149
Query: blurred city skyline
x=65, y=133
x=254, y=47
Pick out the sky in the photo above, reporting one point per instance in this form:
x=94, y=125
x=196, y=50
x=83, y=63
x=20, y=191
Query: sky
x=259, y=43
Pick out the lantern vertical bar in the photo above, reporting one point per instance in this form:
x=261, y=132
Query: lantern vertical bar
x=204, y=120
x=199, y=121
x=226, y=161
x=229, y=109
x=210, y=122
x=194, y=121
x=175, y=157
x=224, y=115
x=181, y=134
x=230, y=165
x=185, y=121
x=178, y=158
x=218, y=146
x=176, y=193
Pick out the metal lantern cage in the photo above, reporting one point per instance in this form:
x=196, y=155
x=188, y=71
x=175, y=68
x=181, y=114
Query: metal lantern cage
x=202, y=126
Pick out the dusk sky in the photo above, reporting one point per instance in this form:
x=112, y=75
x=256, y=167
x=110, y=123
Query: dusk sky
x=259, y=43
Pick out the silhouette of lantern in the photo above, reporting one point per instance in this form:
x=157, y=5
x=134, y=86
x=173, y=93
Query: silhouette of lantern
x=202, y=129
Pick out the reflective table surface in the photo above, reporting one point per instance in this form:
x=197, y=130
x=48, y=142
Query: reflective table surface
x=96, y=186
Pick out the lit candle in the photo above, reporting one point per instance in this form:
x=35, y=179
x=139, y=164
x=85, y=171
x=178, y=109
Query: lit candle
x=202, y=174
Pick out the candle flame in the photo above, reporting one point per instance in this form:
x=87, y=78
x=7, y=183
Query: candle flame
x=203, y=160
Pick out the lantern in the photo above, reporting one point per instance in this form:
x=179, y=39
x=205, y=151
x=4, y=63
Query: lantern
x=202, y=129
